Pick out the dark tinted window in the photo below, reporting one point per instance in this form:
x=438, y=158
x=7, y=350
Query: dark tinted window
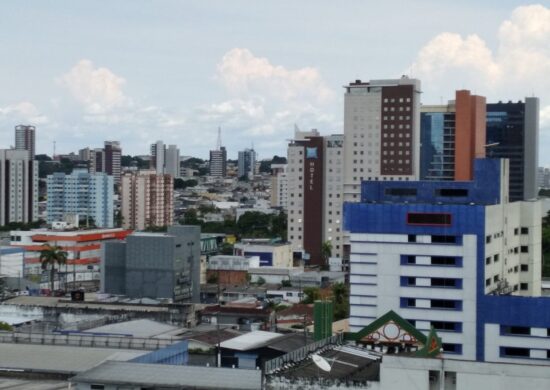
x=428, y=219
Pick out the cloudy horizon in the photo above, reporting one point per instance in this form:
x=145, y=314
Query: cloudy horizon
x=87, y=72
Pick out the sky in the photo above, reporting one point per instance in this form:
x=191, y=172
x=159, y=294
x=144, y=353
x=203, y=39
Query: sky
x=139, y=71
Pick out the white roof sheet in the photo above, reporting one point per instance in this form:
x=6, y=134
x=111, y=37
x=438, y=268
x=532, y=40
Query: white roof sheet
x=251, y=340
x=138, y=328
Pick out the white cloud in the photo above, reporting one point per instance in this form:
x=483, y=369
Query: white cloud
x=245, y=75
x=24, y=112
x=265, y=100
x=519, y=66
x=98, y=89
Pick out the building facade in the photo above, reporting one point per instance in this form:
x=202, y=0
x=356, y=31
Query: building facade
x=18, y=187
x=147, y=200
x=277, y=255
x=218, y=162
x=382, y=132
x=513, y=133
x=247, y=163
x=279, y=186
x=172, y=161
x=25, y=139
x=158, y=150
x=80, y=193
x=82, y=246
x=314, y=175
x=107, y=160
x=456, y=256
x=154, y=265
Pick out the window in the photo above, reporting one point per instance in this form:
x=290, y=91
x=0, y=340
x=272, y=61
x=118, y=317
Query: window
x=444, y=282
x=516, y=330
x=452, y=348
x=401, y=191
x=487, y=282
x=452, y=192
x=488, y=260
x=496, y=278
x=411, y=259
x=524, y=286
x=496, y=258
x=444, y=239
x=488, y=239
x=446, y=325
x=97, y=387
x=516, y=231
x=524, y=249
x=524, y=268
x=514, y=352
x=411, y=238
x=524, y=230
x=444, y=304
x=443, y=260
x=429, y=219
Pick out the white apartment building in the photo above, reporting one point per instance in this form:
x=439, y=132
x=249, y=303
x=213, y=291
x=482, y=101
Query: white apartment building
x=279, y=186
x=18, y=186
x=147, y=200
x=80, y=193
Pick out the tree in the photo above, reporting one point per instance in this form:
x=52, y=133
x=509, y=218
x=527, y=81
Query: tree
x=260, y=281
x=326, y=251
x=49, y=257
x=190, y=218
x=286, y=283
x=311, y=294
x=254, y=224
x=340, y=295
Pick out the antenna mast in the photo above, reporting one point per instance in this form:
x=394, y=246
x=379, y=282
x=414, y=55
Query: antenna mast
x=219, y=141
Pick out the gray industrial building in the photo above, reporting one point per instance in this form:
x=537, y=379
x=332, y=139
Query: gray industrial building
x=154, y=265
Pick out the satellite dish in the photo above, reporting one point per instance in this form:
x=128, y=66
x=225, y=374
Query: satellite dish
x=321, y=362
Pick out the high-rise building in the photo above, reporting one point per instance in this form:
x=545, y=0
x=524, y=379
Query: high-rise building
x=18, y=187
x=107, y=160
x=314, y=175
x=381, y=132
x=247, y=163
x=154, y=265
x=158, y=150
x=25, y=139
x=85, y=154
x=172, y=161
x=513, y=133
x=147, y=200
x=456, y=256
x=81, y=193
x=279, y=186
x=452, y=136
x=218, y=158
x=218, y=162
x=543, y=177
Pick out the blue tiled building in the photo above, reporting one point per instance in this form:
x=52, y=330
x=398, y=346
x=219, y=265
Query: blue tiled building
x=456, y=256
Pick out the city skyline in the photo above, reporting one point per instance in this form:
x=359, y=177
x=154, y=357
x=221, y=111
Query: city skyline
x=139, y=78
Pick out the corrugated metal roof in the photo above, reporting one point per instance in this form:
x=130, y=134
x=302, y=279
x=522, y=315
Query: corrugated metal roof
x=196, y=377
x=57, y=358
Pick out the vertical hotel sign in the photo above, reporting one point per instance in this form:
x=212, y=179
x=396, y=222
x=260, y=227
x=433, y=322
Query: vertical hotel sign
x=313, y=198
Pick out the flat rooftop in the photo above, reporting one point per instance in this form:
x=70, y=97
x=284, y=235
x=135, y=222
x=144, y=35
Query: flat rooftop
x=58, y=358
x=163, y=375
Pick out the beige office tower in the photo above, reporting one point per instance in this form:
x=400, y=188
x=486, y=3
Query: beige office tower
x=147, y=200
x=381, y=134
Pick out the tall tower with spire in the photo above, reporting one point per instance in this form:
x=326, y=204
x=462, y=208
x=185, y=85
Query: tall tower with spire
x=218, y=158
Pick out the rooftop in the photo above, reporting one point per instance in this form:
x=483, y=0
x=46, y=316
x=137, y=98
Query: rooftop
x=251, y=340
x=140, y=328
x=159, y=375
x=57, y=358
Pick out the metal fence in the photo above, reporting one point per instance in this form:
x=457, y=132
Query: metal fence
x=81, y=340
x=302, y=353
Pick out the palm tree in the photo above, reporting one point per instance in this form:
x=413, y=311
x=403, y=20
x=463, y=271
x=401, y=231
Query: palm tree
x=326, y=252
x=50, y=256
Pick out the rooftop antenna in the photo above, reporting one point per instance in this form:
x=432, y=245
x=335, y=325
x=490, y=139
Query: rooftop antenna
x=219, y=141
x=53, y=157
